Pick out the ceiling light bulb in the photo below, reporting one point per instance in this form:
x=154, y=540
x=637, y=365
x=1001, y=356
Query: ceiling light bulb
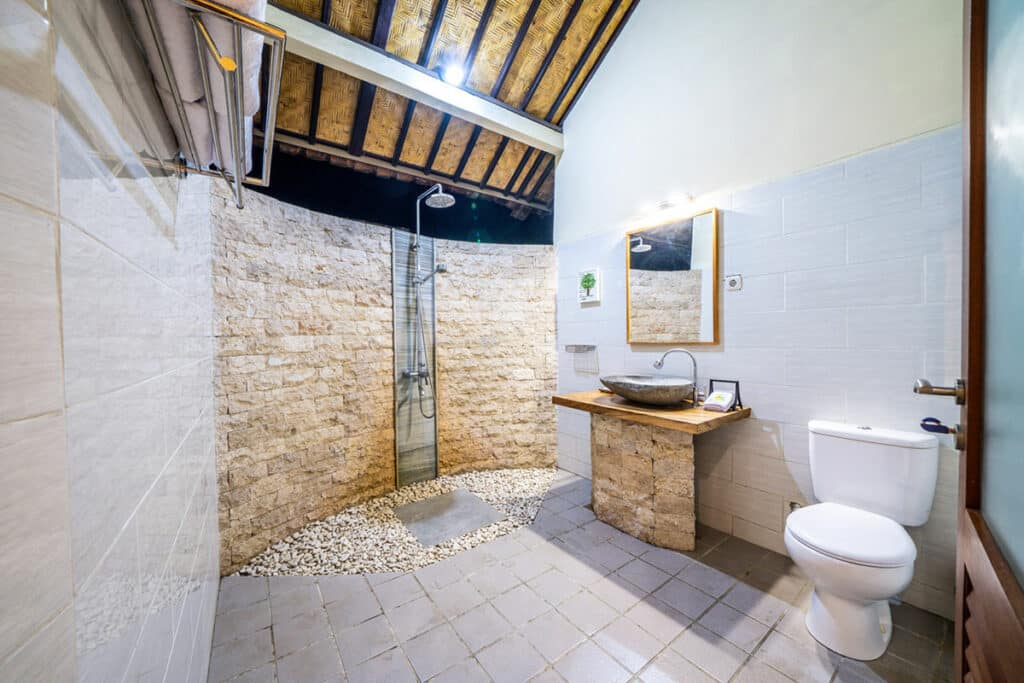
x=454, y=74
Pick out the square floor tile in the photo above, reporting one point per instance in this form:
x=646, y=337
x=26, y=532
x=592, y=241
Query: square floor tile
x=707, y=579
x=736, y=627
x=466, y=671
x=520, y=605
x=353, y=610
x=617, y=592
x=434, y=651
x=241, y=591
x=440, y=518
x=587, y=613
x=457, y=598
x=755, y=671
x=629, y=644
x=303, y=599
x=590, y=664
x=481, y=626
x=710, y=652
x=398, y=591
x=668, y=561
x=335, y=588
x=241, y=654
x=527, y=565
x=644, y=576
x=494, y=581
x=633, y=546
x=660, y=620
x=413, y=618
x=555, y=587
x=241, y=622
x=392, y=666
x=794, y=659
x=316, y=664
x=365, y=641
x=756, y=604
x=439, y=574
x=552, y=635
x=511, y=660
x=684, y=598
x=298, y=632
x=672, y=667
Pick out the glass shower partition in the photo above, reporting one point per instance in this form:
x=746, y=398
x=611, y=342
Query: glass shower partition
x=415, y=400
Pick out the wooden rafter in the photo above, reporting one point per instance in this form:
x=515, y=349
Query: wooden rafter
x=585, y=57
x=540, y=181
x=600, y=57
x=318, y=78
x=494, y=162
x=557, y=43
x=519, y=169
x=529, y=176
x=467, y=67
x=364, y=82
x=367, y=92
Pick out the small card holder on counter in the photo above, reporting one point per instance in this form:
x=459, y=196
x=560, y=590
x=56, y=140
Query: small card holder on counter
x=723, y=400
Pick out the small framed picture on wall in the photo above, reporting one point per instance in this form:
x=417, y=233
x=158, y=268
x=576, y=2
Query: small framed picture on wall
x=588, y=286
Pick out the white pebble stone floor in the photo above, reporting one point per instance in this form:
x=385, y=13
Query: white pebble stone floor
x=369, y=538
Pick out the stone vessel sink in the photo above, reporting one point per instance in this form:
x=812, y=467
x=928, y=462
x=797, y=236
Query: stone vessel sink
x=659, y=390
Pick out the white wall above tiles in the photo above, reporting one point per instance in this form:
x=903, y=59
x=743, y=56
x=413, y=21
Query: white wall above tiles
x=700, y=95
x=851, y=275
x=108, y=528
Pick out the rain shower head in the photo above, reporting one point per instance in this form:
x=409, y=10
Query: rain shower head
x=440, y=200
x=640, y=247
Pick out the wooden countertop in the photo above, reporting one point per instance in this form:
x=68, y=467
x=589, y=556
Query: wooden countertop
x=683, y=418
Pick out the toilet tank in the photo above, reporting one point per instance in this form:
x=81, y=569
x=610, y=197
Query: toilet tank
x=885, y=471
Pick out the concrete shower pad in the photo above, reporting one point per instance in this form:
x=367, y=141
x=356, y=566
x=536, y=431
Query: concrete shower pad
x=440, y=518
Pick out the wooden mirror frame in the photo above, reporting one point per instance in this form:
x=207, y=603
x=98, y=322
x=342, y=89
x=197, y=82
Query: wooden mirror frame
x=716, y=277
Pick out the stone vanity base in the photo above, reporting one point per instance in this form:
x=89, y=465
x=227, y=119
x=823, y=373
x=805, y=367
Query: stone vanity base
x=643, y=481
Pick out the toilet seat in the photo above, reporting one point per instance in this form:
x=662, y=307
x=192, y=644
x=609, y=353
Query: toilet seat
x=851, y=535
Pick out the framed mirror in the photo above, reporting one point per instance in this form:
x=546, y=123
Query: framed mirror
x=672, y=282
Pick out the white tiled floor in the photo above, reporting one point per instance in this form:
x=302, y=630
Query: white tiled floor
x=568, y=598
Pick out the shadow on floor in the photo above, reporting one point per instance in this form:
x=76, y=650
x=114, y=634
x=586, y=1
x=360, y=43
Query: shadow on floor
x=567, y=598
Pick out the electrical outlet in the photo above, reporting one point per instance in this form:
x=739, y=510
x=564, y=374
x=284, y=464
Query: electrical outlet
x=733, y=283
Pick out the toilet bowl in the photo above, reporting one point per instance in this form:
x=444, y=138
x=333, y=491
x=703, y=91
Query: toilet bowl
x=852, y=543
x=857, y=560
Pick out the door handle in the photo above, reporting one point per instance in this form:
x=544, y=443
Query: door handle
x=958, y=391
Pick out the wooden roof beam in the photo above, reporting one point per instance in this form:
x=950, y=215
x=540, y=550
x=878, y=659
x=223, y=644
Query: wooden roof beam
x=367, y=92
x=375, y=66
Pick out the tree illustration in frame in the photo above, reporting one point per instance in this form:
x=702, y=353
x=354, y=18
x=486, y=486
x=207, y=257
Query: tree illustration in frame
x=589, y=286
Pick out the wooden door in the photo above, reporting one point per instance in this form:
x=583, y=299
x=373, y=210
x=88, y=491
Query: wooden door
x=990, y=543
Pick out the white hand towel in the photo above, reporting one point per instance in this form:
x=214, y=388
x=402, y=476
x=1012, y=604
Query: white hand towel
x=224, y=133
x=198, y=122
x=175, y=29
x=222, y=33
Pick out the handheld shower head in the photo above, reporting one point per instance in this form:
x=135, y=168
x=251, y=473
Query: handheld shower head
x=439, y=268
x=440, y=200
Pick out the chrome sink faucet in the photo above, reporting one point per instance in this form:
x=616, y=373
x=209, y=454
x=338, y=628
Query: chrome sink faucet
x=660, y=363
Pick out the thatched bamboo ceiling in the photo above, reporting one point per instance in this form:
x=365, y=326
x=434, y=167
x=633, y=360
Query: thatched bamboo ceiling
x=533, y=55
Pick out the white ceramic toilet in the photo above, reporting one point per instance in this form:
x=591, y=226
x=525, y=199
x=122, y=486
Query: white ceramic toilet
x=852, y=544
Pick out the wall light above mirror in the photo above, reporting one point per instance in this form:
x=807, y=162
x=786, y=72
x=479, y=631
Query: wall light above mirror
x=672, y=282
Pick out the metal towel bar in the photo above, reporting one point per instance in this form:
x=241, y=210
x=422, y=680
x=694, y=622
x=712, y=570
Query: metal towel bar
x=232, y=71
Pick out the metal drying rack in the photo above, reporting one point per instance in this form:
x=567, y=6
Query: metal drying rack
x=232, y=71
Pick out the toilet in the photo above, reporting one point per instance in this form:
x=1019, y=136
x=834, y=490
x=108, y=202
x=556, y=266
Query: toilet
x=870, y=483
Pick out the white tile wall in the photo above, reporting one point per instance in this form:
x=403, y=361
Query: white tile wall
x=108, y=534
x=851, y=292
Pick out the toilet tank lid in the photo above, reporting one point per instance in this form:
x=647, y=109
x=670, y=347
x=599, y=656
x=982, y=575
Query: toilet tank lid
x=889, y=437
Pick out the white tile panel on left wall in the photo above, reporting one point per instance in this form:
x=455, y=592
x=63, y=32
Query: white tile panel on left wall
x=109, y=540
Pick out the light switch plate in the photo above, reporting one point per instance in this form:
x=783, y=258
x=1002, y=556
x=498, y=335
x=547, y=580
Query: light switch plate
x=733, y=283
